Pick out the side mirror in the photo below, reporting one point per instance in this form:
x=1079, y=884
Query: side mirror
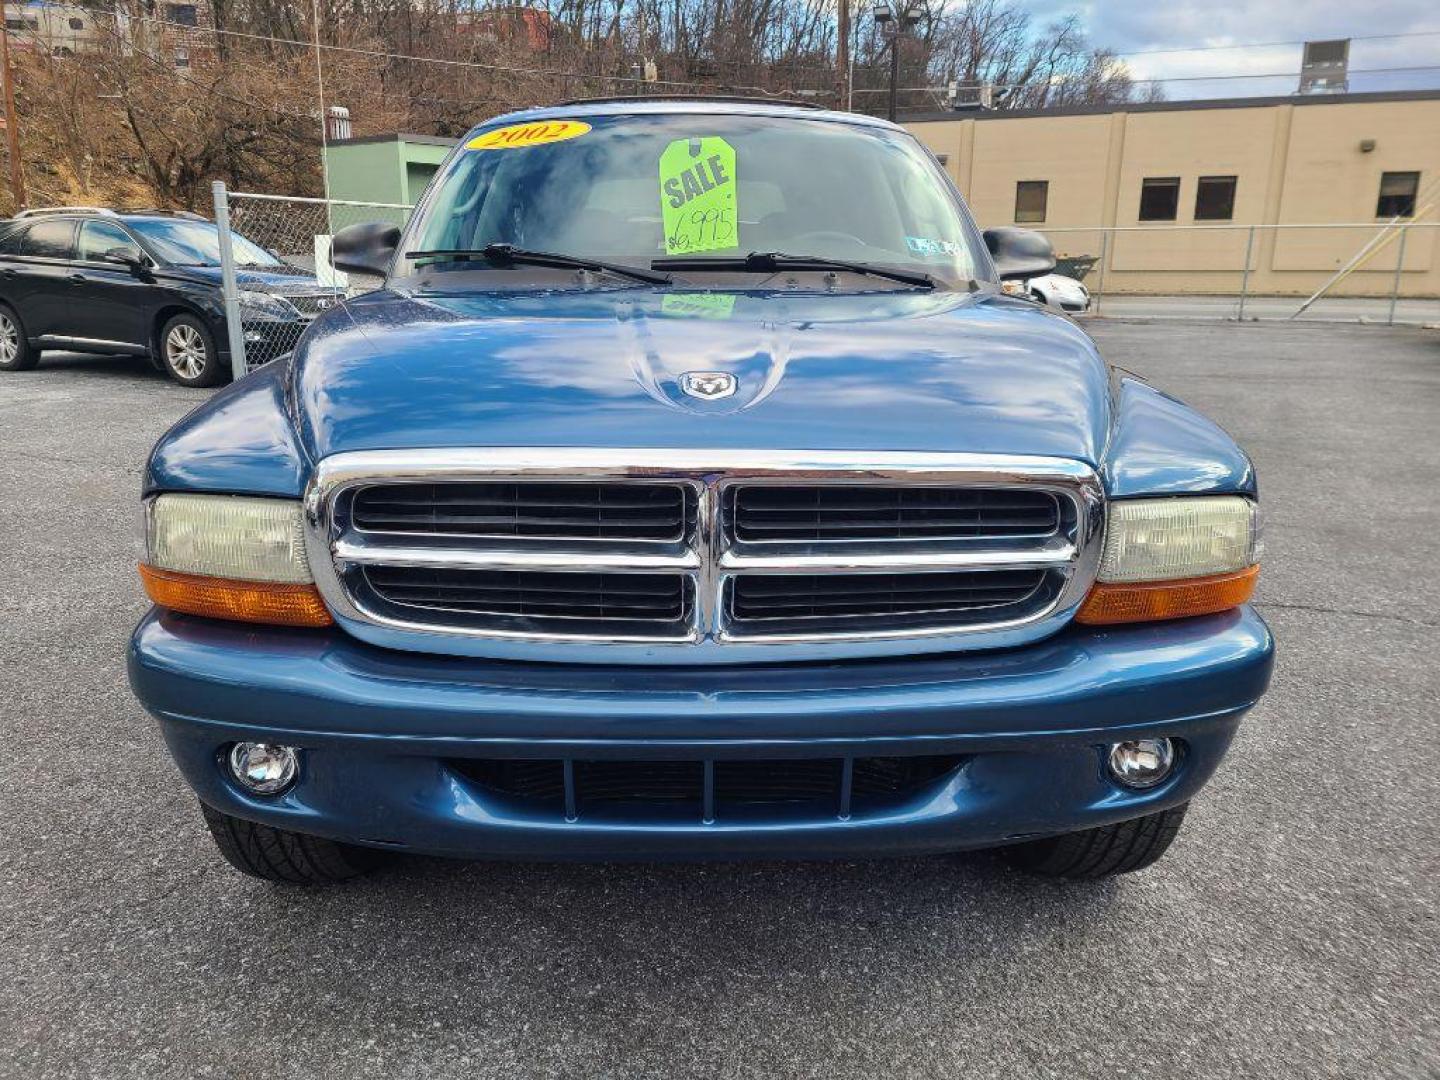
x=367, y=248
x=123, y=256
x=128, y=258
x=1019, y=253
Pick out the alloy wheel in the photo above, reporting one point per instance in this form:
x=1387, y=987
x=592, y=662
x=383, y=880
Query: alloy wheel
x=9, y=340
x=185, y=351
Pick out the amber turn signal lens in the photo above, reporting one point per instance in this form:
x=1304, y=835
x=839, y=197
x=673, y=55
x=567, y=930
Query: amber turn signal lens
x=243, y=601
x=1153, y=600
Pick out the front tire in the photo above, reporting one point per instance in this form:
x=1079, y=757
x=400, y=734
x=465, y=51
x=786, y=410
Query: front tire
x=1121, y=848
x=188, y=353
x=15, y=351
x=286, y=857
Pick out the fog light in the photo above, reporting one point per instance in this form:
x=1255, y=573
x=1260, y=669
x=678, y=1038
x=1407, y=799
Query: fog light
x=1142, y=763
x=264, y=768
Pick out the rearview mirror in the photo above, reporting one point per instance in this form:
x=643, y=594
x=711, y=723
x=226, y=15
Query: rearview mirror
x=1019, y=253
x=367, y=248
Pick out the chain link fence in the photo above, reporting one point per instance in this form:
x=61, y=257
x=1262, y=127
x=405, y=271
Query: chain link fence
x=1368, y=272
x=275, y=258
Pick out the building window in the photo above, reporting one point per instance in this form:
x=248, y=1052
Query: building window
x=77, y=24
x=1159, y=198
x=1397, y=194
x=1031, y=197
x=1215, y=198
x=182, y=58
x=184, y=14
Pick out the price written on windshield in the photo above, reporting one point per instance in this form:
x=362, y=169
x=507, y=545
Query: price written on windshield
x=698, y=198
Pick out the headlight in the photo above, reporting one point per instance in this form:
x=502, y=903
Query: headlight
x=1168, y=558
x=230, y=557
x=259, y=303
x=1163, y=539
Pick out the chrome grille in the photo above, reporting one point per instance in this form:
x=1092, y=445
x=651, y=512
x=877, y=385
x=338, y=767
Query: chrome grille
x=630, y=554
x=853, y=513
x=313, y=304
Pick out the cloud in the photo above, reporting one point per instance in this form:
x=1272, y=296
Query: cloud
x=1130, y=26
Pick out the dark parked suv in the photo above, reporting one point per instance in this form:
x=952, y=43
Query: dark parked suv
x=142, y=283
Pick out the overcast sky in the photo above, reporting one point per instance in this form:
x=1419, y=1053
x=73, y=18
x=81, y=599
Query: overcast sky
x=1129, y=26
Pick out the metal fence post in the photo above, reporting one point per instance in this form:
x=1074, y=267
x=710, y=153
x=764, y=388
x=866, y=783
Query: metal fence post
x=1245, y=276
x=1104, y=258
x=233, y=330
x=1399, y=269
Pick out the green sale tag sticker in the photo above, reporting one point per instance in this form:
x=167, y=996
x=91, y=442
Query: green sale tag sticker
x=697, y=196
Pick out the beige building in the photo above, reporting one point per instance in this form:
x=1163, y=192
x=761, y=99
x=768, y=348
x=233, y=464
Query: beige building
x=1216, y=168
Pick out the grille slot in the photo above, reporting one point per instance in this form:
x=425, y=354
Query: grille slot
x=660, y=512
x=839, y=512
x=677, y=789
x=952, y=593
x=652, y=598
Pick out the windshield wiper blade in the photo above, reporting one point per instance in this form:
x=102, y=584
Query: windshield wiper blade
x=767, y=262
x=510, y=255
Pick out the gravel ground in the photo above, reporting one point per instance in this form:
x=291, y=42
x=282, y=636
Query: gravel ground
x=1291, y=932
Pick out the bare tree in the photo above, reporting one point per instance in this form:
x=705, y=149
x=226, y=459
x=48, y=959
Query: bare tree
x=125, y=123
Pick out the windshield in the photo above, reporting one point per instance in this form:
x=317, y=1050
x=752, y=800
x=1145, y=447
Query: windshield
x=631, y=189
x=197, y=243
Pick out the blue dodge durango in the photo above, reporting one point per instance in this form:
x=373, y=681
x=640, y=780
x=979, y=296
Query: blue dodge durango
x=691, y=489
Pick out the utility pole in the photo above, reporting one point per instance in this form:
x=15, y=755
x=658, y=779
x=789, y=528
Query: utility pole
x=842, y=55
x=12, y=124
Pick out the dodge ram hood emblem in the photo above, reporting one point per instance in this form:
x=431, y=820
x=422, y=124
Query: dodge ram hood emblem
x=708, y=385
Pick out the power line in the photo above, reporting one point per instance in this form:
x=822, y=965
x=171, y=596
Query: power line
x=1272, y=44
x=381, y=54
x=550, y=73
x=624, y=79
x=1171, y=78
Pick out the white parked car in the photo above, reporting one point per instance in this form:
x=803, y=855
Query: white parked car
x=1056, y=291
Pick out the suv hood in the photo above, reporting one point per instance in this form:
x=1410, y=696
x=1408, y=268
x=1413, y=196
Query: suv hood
x=895, y=370
x=279, y=279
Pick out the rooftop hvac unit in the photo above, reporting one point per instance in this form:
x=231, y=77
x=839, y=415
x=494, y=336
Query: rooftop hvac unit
x=337, y=122
x=968, y=95
x=1325, y=66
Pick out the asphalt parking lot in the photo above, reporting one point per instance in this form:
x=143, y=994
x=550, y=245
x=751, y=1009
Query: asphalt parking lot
x=1291, y=932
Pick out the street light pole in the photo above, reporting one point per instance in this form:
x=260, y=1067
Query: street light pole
x=12, y=124
x=895, y=33
x=894, y=24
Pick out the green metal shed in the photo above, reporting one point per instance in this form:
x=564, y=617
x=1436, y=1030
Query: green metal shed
x=384, y=168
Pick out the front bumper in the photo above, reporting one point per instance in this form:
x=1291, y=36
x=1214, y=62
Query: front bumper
x=388, y=736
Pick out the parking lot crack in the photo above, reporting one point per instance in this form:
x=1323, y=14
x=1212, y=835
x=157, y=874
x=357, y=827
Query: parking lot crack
x=1322, y=609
